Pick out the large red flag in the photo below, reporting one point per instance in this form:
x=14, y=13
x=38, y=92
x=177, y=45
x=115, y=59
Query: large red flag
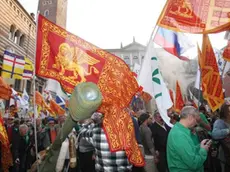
x=70, y=60
x=5, y=90
x=179, y=102
x=196, y=16
x=226, y=53
x=211, y=80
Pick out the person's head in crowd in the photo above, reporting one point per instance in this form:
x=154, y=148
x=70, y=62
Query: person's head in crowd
x=188, y=103
x=225, y=111
x=150, y=120
x=38, y=122
x=51, y=122
x=23, y=129
x=144, y=119
x=188, y=116
x=12, y=107
x=139, y=112
x=158, y=117
x=61, y=119
x=10, y=121
x=170, y=112
x=16, y=122
x=45, y=121
x=22, y=121
x=97, y=117
x=202, y=109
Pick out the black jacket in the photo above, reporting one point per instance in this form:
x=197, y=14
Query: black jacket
x=160, y=136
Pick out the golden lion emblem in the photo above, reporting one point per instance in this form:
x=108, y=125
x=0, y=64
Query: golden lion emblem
x=71, y=59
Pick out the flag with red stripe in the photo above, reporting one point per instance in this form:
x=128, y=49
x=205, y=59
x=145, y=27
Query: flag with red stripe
x=173, y=42
x=13, y=65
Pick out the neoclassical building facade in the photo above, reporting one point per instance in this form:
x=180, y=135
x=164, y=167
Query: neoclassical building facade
x=131, y=53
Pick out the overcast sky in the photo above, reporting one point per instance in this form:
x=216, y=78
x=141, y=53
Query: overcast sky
x=107, y=23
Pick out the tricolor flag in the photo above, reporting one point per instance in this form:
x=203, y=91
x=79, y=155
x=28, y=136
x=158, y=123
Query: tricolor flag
x=173, y=42
x=152, y=82
x=28, y=69
x=61, y=102
x=13, y=66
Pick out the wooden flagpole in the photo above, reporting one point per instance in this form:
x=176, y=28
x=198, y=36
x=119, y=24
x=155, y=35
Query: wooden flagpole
x=34, y=91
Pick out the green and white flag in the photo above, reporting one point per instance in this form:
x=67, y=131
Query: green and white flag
x=152, y=82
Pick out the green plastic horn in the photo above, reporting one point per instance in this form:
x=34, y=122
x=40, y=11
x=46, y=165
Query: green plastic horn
x=84, y=101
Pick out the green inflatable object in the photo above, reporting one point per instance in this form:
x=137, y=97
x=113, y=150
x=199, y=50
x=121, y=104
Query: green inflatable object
x=84, y=101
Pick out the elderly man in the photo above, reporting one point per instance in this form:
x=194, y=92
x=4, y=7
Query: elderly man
x=160, y=132
x=182, y=153
x=20, y=148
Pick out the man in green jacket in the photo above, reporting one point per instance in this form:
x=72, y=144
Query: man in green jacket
x=183, y=154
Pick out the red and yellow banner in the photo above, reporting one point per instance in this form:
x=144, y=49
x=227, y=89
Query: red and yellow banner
x=179, y=102
x=56, y=108
x=6, y=159
x=70, y=60
x=226, y=53
x=171, y=95
x=5, y=90
x=211, y=80
x=196, y=16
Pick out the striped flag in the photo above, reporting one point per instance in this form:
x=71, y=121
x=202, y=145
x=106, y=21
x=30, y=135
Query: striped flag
x=61, y=102
x=13, y=66
x=28, y=69
x=173, y=42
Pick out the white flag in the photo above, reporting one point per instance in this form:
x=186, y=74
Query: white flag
x=152, y=82
x=25, y=98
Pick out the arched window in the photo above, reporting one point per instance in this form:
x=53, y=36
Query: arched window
x=16, y=37
x=12, y=30
x=46, y=13
x=22, y=40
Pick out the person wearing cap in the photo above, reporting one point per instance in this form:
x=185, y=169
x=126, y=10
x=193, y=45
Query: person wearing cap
x=160, y=132
x=50, y=133
x=182, y=153
x=146, y=138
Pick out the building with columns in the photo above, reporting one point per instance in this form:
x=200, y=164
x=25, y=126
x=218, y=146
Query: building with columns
x=18, y=35
x=131, y=53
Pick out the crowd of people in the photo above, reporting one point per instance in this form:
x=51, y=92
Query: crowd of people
x=198, y=141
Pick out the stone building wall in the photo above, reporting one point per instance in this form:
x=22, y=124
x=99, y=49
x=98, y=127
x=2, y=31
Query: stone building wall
x=18, y=35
